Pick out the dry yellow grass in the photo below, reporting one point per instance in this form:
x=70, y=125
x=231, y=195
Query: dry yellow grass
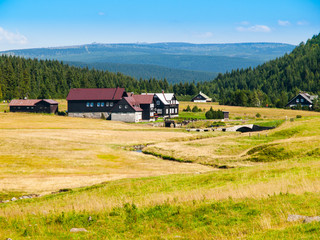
x=244, y=112
x=43, y=153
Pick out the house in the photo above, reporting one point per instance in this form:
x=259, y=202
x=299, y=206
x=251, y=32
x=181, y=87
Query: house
x=127, y=110
x=33, y=105
x=146, y=103
x=93, y=102
x=201, y=97
x=166, y=105
x=303, y=99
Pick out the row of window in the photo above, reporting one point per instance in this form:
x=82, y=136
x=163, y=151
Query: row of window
x=20, y=107
x=172, y=111
x=297, y=100
x=100, y=104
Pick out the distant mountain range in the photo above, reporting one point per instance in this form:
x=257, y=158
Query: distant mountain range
x=174, y=61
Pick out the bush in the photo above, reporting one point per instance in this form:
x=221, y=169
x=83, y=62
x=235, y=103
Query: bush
x=212, y=114
x=188, y=109
x=298, y=116
x=195, y=109
x=258, y=115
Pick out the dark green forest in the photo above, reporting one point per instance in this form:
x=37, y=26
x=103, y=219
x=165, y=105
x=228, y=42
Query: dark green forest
x=270, y=84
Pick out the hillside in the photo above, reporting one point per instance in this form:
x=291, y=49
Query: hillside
x=146, y=71
x=211, y=58
x=272, y=83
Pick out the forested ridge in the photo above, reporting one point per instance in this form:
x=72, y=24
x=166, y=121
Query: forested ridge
x=34, y=78
x=272, y=83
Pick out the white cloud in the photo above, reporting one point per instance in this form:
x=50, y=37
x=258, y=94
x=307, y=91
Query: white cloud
x=302, y=23
x=283, y=23
x=12, y=38
x=255, y=28
x=205, y=35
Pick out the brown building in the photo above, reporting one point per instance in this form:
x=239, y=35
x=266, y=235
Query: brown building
x=33, y=105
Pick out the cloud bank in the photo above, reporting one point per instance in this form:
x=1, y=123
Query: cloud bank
x=12, y=38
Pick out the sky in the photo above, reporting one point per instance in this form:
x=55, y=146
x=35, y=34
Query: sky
x=52, y=23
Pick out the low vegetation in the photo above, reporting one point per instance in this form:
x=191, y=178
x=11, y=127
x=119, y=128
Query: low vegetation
x=199, y=185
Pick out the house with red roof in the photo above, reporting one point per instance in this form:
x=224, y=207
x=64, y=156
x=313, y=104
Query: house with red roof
x=127, y=110
x=34, y=105
x=93, y=102
x=115, y=104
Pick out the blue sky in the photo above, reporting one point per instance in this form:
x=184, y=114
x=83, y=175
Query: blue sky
x=48, y=23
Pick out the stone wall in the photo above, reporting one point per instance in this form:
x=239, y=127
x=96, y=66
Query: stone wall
x=127, y=117
x=90, y=115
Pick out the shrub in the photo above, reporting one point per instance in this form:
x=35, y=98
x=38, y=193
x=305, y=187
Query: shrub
x=212, y=114
x=298, y=116
x=195, y=109
x=188, y=109
x=258, y=115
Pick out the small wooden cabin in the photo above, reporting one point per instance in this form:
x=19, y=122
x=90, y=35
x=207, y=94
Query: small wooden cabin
x=303, y=99
x=201, y=97
x=34, y=105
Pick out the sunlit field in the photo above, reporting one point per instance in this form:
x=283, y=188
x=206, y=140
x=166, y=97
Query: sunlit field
x=189, y=185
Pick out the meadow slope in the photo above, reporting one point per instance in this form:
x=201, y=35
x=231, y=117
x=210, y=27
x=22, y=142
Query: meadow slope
x=129, y=195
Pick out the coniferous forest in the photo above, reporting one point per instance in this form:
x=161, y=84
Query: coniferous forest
x=270, y=84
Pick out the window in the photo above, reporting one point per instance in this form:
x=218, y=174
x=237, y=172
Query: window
x=297, y=100
x=176, y=110
x=120, y=106
x=159, y=111
x=102, y=104
x=27, y=107
x=158, y=102
x=88, y=104
x=91, y=104
x=302, y=99
x=167, y=111
x=98, y=104
x=107, y=104
x=126, y=106
x=31, y=107
x=111, y=104
x=151, y=105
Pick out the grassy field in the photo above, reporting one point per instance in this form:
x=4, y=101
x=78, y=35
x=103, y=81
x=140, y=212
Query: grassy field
x=236, y=186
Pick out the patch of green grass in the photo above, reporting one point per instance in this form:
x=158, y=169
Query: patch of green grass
x=270, y=153
x=201, y=219
x=166, y=157
x=274, y=123
x=192, y=115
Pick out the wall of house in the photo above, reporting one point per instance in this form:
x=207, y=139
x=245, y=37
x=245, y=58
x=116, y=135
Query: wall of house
x=127, y=117
x=90, y=106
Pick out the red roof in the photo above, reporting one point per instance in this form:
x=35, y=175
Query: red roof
x=95, y=94
x=133, y=103
x=143, y=99
x=29, y=102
